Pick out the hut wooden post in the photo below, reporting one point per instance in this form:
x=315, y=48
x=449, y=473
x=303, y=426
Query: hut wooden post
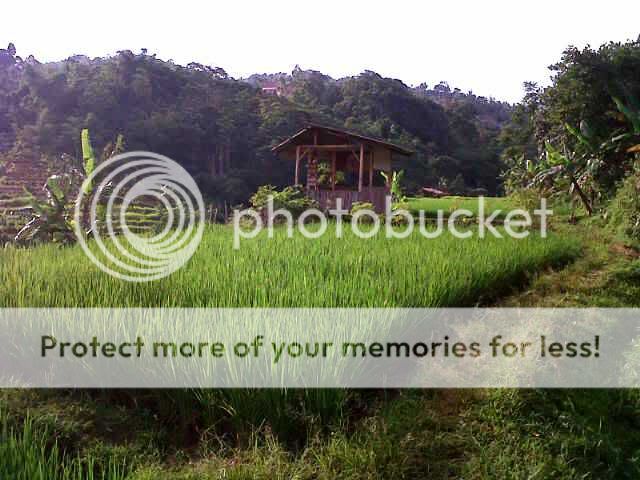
x=333, y=170
x=312, y=170
x=371, y=172
x=361, y=172
x=297, y=166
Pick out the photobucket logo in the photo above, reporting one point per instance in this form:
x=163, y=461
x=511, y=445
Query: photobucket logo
x=398, y=223
x=145, y=213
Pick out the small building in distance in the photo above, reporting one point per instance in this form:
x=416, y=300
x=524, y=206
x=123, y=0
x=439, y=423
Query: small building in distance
x=271, y=89
x=341, y=164
x=434, y=192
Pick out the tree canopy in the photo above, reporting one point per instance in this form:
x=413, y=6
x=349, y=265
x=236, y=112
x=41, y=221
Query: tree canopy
x=221, y=129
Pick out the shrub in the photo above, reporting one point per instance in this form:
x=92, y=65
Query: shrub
x=290, y=198
x=625, y=208
x=357, y=206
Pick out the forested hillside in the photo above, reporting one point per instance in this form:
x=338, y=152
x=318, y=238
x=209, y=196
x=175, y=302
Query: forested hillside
x=221, y=129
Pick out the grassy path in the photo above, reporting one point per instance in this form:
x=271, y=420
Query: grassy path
x=607, y=274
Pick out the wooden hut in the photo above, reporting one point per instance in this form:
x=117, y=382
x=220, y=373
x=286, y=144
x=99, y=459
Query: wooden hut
x=351, y=164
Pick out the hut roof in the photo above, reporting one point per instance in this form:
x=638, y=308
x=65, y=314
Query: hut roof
x=304, y=135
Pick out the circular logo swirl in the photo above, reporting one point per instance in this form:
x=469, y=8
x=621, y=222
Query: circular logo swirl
x=125, y=200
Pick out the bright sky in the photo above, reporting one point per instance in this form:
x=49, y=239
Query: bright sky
x=488, y=46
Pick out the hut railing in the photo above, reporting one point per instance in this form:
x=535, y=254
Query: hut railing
x=373, y=195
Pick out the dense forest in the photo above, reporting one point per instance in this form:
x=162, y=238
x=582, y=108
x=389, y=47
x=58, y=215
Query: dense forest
x=221, y=129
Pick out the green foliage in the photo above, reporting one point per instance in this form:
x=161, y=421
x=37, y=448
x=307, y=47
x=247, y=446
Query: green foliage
x=624, y=210
x=586, y=133
x=358, y=206
x=29, y=453
x=221, y=129
x=631, y=113
x=52, y=219
x=324, y=175
x=292, y=199
x=590, y=113
x=457, y=185
x=395, y=183
x=518, y=137
x=88, y=158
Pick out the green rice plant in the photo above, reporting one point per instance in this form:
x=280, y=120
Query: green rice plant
x=291, y=272
x=29, y=453
x=285, y=272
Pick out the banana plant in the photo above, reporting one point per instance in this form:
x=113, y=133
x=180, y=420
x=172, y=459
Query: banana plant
x=89, y=164
x=631, y=112
x=520, y=173
x=394, y=181
x=627, y=140
x=556, y=165
x=52, y=218
x=88, y=160
x=576, y=170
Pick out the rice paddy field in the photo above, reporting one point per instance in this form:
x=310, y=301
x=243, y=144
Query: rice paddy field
x=296, y=272
x=307, y=434
x=431, y=206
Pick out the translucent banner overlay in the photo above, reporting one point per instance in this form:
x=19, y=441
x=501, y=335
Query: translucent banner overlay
x=319, y=348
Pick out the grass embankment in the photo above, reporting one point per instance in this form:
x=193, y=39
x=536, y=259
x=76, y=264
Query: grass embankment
x=607, y=275
x=409, y=434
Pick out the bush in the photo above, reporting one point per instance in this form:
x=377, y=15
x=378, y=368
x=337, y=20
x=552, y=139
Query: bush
x=290, y=198
x=625, y=208
x=357, y=206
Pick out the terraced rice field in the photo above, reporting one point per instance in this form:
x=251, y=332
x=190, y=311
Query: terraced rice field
x=296, y=272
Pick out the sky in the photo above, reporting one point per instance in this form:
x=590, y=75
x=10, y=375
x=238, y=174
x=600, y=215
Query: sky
x=490, y=47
